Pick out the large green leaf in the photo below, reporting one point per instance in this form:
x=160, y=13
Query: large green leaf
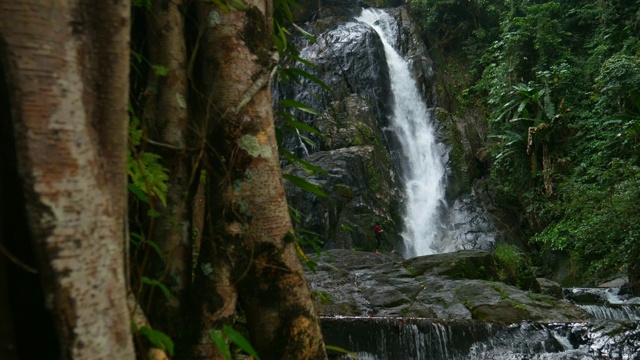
x=158, y=339
x=308, y=167
x=290, y=103
x=305, y=185
x=218, y=339
x=240, y=341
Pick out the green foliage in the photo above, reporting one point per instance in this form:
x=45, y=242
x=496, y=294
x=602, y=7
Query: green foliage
x=305, y=184
x=503, y=293
x=138, y=240
x=220, y=338
x=162, y=287
x=595, y=220
x=147, y=174
x=513, y=266
x=323, y=296
x=508, y=256
x=158, y=339
x=304, y=238
x=559, y=82
x=373, y=179
x=453, y=22
x=341, y=350
x=618, y=84
x=142, y=4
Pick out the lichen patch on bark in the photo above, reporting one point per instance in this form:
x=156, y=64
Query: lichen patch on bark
x=256, y=146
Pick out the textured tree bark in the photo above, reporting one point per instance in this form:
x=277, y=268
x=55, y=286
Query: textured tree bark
x=67, y=65
x=166, y=117
x=248, y=254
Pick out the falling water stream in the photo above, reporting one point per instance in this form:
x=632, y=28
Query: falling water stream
x=423, y=168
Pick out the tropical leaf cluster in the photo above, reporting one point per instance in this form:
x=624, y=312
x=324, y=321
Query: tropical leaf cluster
x=558, y=83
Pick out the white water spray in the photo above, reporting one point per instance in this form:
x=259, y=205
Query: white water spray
x=423, y=168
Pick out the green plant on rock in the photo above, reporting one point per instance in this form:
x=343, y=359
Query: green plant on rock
x=374, y=179
x=503, y=293
x=508, y=258
x=513, y=266
x=521, y=307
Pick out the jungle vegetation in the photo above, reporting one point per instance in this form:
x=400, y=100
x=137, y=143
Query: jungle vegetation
x=558, y=86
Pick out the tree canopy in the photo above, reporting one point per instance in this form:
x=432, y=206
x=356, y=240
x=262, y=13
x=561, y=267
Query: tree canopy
x=558, y=85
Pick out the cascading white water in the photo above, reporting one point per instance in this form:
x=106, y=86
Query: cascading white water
x=411, y=121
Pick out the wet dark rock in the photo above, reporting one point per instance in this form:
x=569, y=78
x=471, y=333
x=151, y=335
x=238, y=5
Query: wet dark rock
x=443, y=286
x=361, y=190
x=550, y=287
x=585, y=296
x=385, y=307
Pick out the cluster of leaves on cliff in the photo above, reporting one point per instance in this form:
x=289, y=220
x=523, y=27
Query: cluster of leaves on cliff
x=559, y=83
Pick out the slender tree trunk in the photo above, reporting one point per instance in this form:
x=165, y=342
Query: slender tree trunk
x=166, y=116
x=249, y=254
x=67, y=66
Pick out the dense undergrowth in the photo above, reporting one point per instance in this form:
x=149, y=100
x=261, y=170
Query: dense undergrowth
x=558, y=84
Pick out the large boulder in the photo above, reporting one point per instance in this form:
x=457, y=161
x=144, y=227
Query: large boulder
x=444, y=286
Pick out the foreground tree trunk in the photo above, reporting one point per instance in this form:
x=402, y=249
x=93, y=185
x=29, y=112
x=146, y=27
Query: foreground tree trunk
x=248, y=258
x=67, y=65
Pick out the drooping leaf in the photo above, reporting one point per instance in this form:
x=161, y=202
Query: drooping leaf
x=159, y=339
x=291, y=120
x=308, y=167
x=297, y=72
x=309, y=37
x=218, y=339
x=305, y=185
x=161, y=286
x=138, y=192
x=341, y=350
x=290, y=103
x=240, y=341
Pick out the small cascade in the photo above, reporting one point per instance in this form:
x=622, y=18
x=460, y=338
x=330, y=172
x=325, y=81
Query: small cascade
x=605, y=303
x=423, y=168
x=413, y=338
x=613, y=312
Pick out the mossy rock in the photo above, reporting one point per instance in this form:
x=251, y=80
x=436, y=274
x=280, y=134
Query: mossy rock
x=472, y=264
x=505, y=311
x=344, y=191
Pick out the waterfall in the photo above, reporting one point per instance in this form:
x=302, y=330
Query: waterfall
x=423, y=168
x=434, y=339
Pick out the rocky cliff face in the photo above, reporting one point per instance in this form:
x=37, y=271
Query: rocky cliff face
x=361, y=179
x=361, y=156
